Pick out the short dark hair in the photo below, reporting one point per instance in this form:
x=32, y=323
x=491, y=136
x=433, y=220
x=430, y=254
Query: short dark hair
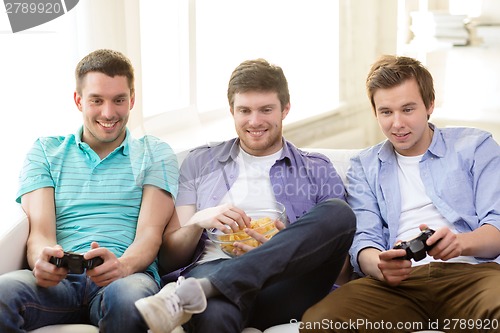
x=258, y=75
x=108, y=62
x=390, y=71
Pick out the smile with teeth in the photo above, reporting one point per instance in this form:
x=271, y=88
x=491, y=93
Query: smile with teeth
x=256, y=133
x=107, y=125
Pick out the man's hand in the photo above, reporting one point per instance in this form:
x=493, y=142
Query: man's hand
x=110, y=270
x=227, y=218
x=446, y=244
x=241, y=248
x=394, y=271
x=46, y=273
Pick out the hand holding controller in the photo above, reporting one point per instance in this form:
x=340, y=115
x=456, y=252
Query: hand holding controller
x=416, y=248
x=75, y=262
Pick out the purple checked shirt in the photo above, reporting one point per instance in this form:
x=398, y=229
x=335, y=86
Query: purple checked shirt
x=299, y=179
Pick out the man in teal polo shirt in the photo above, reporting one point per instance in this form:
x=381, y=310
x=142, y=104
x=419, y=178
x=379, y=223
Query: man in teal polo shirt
x=98, y=192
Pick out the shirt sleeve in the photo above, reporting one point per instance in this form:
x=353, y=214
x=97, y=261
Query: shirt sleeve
x=485, y=172
x=370, y=230
x=35, y=172
x=187, y=182
x=332, y=185
x=164, y=170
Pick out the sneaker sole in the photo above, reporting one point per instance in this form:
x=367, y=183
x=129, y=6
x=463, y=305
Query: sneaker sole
x=142, y=306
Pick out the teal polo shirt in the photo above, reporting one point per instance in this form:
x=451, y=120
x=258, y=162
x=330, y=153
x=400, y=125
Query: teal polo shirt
x=98, y=200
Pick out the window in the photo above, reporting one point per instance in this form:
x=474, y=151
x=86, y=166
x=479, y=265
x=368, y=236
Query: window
x=189, y=80
x=188, y=51
x=164, y=56
x=37, y=85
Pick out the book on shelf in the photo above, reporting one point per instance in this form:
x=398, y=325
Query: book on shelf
x=440, y=26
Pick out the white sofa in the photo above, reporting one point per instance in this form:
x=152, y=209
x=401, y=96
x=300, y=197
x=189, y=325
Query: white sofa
x=13, y=246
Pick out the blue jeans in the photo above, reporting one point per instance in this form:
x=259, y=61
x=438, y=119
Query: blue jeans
x=24, y=306
x=281, y=279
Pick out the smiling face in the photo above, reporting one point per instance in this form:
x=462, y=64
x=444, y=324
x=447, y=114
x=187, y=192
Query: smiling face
x=402, y=116
x=105, y=103
x=258, y=119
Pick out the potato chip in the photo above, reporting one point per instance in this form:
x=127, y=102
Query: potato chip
x=264, y=226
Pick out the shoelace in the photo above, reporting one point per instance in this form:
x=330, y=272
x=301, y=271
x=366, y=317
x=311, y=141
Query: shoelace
x=173, y=302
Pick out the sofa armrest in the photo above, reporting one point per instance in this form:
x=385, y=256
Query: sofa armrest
x=13, y=237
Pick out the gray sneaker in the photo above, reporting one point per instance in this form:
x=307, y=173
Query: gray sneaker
x=173, y=305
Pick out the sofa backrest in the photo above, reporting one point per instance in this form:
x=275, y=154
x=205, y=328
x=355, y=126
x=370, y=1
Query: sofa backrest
x=340, y=158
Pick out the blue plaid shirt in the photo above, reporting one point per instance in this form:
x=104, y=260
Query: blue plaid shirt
x=460, y=172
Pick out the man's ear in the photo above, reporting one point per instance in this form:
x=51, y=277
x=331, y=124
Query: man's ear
x=78, y=100
x=132, y=101
x=430, y=110
x=285, y=111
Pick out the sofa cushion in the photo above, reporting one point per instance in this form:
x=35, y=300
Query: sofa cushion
x=75, y=328
x=13, y=242
x=284, y=328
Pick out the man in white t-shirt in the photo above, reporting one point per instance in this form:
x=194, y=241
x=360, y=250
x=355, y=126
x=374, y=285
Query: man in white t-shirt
x=277, y=281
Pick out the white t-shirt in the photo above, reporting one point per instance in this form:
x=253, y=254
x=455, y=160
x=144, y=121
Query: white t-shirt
x=417, y=208
x=253, y=185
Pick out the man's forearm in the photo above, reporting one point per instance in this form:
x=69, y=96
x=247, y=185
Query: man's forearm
x=34, y=247
x=179, y=246
x=484, y=242
x=368, y=260
x=141, y=253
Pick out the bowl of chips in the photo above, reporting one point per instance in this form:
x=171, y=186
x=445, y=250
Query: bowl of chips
x=262, y=220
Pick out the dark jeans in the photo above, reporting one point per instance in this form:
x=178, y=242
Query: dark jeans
x=279, y=280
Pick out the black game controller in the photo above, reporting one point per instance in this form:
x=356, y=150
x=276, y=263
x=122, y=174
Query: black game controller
x=416, y=248
x=75, y=262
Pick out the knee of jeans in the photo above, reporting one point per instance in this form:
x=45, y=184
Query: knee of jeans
x=221, y=313
x=14, y=284
x=337, y=213
x=121, y=294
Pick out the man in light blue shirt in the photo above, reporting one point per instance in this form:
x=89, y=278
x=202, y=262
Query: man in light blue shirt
x=100, y=193
x=420, y=178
